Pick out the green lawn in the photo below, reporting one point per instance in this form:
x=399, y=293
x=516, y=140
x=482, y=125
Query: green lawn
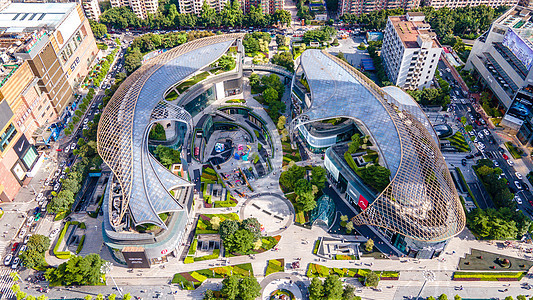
x=193, y=279
x=482, y=260
x=194, y=80
x=458, y=141
x=275, y=265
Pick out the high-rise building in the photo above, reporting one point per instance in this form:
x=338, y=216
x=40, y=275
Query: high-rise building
x=92, y=9
x=141, y=8
x=501, y=59
x=462, y=3
x=195, y=6
x=365, y=6
x=46, y=49
x=410, y=52
x=267, y=6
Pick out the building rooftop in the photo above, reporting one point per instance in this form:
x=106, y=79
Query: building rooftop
x=421, y=201
x=135, y=106
x=409, y=30
x=23, y=17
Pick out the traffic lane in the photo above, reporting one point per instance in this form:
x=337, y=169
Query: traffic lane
x=480, y=194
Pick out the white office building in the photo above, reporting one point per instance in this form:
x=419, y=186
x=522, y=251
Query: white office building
x=410, y=52
x=195, y=6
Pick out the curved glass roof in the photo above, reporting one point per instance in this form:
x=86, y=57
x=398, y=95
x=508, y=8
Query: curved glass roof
x=421, y=201
x=126, y=121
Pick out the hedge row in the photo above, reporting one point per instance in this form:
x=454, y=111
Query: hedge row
x=488, y=276
x=467, y=187
x=315, y=270
x=63, y=254
x=80, y=245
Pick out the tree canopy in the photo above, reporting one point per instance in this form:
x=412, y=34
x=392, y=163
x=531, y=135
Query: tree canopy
x=33, y=256
x=77, y=271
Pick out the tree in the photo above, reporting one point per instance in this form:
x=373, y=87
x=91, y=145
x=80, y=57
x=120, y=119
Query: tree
x=209, y=295
x=62, y=201
x=443, y=297
x=99, y=297
x=521, y=297
x=167, y=156
x=230, y=287
x=372, y=279
x=349, y=227
x=43, y=297
x=305, y=195
x=509, y=298
x=283, y=59
x=77, y=271
x=132, y=60
x=111, y=297
x=282, y=120
x=318, y=177
x=33, y=257
x=283, y=17
x=316, y=290
x=228, y=228
x=158, y=132
x=270, y=95
x=369, y=245
x=20, y=295
x=333, y=288
x=215, y=223
x=255, y=82
x=249, y=288
x=127, y=296
x=289, y=177
x=99, y=30
x=457, y=297
x=88, y=297
x=30, y=297
x=349, y=293
x=430, y=298
x=226, y=63
x=240, y=242
x=252, y=225
x=281, y=41
x=376, y=176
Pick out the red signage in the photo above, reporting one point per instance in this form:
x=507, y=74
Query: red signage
x=363, y=204
x=164, y=251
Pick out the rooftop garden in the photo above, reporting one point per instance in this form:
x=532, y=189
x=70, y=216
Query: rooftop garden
x=374, y=175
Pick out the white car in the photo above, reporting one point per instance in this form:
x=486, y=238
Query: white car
x=518, y=199
x=85, y=121
x=518, y=175
x=53, y=233
x=22, y=233
x=23, y=248
x=27, y=238
x=73, y=145
x=517, y=184
x=67, y=149
x=8, y=259
x=486, y=132
x=15, y=263
x=56, y=187
x=472, y=133
x=480, y=135
x=510, y=162
x=496, y=164
x=30, y=220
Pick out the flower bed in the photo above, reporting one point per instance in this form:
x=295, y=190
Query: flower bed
x=344, y=257
x=317, y=244
x=275, y=265
x=315, y=270
x=488, y=276
x=192, y=280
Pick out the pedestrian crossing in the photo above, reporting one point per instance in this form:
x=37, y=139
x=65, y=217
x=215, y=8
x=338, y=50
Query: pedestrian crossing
x=6, y=281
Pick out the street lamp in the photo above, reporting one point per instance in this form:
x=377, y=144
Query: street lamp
x=106, y=269
x=428, y=276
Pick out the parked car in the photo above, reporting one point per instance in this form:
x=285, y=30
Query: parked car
x=15, y=247
x=517, y=184
x=22, y=233
x=505, y=156
x=53, y=233
x=510, y=162
x=463, y=161
x=15, y=263
x=8, y=259
x=518, y=199
x=486, y=132
x=27, y=238
x=518, y=175
x=496, y=164
x=23, y=248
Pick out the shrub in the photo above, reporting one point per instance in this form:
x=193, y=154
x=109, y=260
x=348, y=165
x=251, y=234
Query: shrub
x=188, y=260
x=80, y=245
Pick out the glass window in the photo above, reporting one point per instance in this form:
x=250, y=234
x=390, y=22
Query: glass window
x=30, y=157
x=7, y=136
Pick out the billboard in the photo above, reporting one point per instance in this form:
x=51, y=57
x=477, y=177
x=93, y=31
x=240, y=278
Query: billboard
x=135, y=257
x=519, y=47
x=521, y=108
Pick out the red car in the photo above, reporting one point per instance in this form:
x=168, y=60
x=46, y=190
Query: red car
x=505, y=156
x=531, y=202
x=15, y=247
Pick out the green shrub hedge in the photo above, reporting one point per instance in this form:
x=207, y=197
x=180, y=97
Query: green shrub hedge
x=80, y=245
x=63, y=254
x=488, y=276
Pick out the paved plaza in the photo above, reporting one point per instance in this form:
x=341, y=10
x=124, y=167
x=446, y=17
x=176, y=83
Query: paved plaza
x=271, y=211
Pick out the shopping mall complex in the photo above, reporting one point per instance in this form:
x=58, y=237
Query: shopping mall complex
x=418, y=211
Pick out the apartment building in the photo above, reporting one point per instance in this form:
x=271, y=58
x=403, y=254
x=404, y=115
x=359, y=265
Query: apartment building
x=141, y=8
x=462, y=3
x=410, y=52
x=267, y=6
x=501, y=59
x=365, y=6
x=195, y=6
x=92, y=9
